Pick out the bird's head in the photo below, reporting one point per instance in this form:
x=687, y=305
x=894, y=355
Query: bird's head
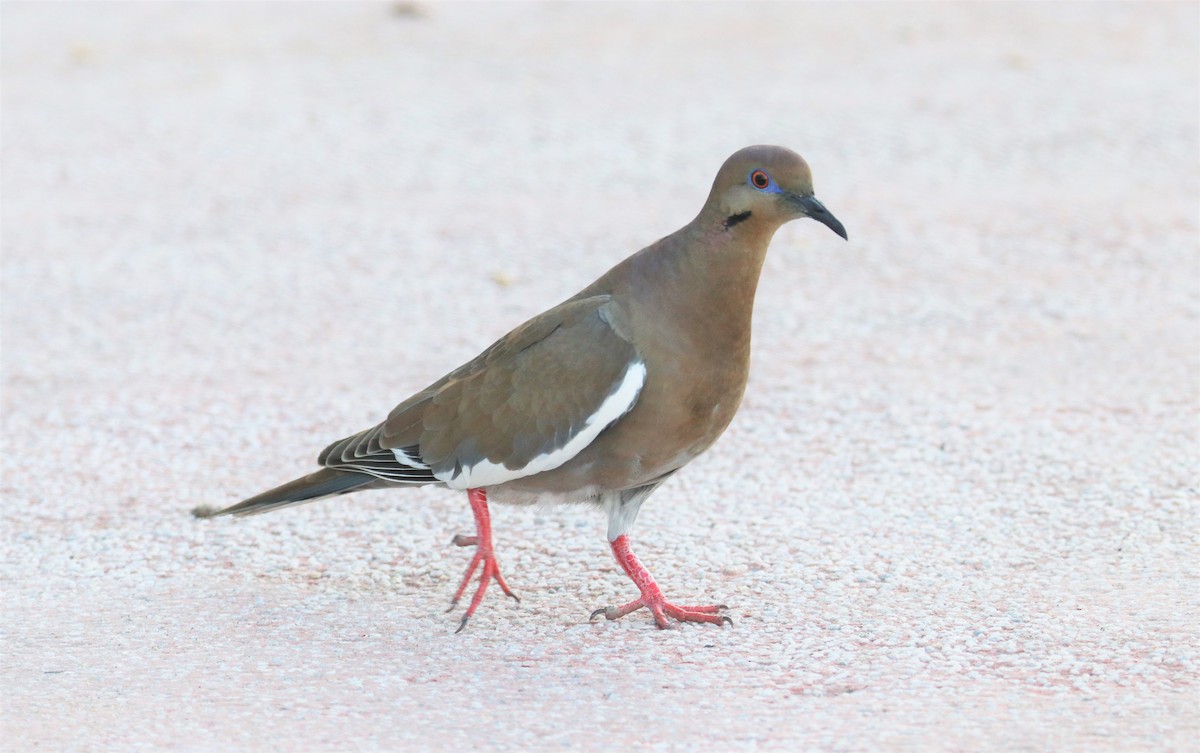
x=768, y=183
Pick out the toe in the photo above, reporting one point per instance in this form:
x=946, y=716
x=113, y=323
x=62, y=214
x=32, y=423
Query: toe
x=690, y=614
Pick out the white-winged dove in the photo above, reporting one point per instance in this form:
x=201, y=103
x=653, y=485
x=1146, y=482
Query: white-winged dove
x=601, y=398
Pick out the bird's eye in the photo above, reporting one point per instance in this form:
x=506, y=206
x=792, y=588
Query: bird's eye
x=759, y=179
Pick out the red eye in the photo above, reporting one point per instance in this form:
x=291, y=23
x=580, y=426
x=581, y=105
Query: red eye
x=759, y=179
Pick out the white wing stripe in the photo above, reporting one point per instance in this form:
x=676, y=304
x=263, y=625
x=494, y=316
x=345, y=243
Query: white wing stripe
x=487, y=473
x=403, y=458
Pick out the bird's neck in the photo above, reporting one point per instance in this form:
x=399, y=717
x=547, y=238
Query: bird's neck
x=704, y=277
x=719, y=260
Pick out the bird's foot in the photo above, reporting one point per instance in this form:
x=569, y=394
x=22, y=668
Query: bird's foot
x=482, y=541
x=652, y=597
x=490, y=571
x=662, y=609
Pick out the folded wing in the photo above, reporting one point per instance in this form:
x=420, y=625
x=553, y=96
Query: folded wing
x=529, y=403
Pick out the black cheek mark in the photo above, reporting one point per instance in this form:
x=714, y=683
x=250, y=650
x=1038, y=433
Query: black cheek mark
x=736, y=218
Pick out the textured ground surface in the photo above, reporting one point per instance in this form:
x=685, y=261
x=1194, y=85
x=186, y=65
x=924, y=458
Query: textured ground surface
x=958, y=510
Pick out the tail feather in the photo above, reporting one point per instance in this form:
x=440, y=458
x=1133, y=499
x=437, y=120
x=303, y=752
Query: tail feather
x=324, y=483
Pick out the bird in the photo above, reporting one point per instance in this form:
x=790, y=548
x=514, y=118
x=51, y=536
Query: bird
x=599, y=399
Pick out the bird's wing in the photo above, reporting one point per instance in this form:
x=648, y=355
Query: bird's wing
x=529, y=403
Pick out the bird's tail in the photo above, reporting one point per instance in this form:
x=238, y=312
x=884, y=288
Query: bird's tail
x=324, y=483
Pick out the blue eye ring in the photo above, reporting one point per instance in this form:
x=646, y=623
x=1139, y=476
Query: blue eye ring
x=761, y=180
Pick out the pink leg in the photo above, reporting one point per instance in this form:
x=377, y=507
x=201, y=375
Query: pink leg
x=652, y=597
x=482, y=541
